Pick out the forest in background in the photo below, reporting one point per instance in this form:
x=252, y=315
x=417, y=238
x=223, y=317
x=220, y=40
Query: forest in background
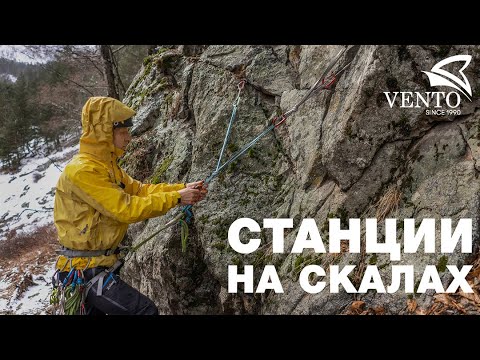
x=44, y=103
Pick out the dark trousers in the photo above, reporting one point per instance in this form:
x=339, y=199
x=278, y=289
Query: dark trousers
x=118, y=298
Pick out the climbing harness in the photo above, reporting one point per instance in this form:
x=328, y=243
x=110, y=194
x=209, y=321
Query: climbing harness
x=68, y=296
x=325, y=82
x=86, y=253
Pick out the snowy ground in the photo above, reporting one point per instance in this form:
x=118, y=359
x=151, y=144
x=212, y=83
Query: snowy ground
x=26, y=203
x=32, y=297
x=26, y=198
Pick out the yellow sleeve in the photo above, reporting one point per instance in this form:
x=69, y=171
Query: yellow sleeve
x=95, y=188
x=135, y=187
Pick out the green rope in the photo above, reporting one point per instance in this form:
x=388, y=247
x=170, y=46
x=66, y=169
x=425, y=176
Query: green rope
x=73, y=299
x=175, y=220
x=184, y=234
x=54, y=296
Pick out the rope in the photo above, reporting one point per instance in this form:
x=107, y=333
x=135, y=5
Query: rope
x=184, y=235
x=68, y=297
x=172, y=222
x=324, y=82
x=241, y=85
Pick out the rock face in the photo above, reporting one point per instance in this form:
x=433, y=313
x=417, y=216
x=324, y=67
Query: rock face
x=345, y=154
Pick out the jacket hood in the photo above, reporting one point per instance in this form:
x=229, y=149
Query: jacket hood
x=98, y=116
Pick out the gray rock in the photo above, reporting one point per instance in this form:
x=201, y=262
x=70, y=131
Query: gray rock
x=343, y=151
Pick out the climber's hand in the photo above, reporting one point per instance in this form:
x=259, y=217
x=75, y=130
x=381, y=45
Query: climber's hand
x=197, y=184
x=201, y=185
x=190, y=196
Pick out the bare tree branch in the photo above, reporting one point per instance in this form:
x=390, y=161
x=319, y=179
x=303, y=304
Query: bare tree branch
x=58, y=74
x=118, y=49
x=106, y=53
x=118, y=77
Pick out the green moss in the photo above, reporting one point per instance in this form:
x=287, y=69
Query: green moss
x=252, y=153
x=263, y=258
x=161, y=50
x=220, y=246
x=276, y=182
x=325, y=226
x=169, y=100
x=343, y=215
x=232, y=147
x=161, y=170
x=151, y=89
x=251, y=192
x=232, y=167
x=349, y=131
x=244, y=201
x=442, y=264
x=221, y=231
x=373, y=259
x=302, y=261
x=235, y=260
x=147, y=60
x=298, y=261
x=203, y=219
x=167, y=60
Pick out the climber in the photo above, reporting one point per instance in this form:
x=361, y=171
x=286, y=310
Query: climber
x=95, y=200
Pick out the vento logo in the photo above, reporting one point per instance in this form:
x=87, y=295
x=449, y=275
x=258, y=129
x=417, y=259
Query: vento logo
x=438, y=77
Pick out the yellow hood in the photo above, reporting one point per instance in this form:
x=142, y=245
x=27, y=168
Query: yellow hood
x=98, y=115
x=95, y=199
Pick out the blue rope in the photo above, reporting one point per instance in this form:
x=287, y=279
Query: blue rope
x=188, y=208
x=319, y=85
x=227, y=136
x=188, y=213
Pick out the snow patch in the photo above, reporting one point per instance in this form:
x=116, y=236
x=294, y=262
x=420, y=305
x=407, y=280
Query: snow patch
x=26, y=199
x=8, y=77
x=34, y=300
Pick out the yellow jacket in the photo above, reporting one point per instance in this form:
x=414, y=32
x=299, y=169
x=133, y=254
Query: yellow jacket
x=95, y=199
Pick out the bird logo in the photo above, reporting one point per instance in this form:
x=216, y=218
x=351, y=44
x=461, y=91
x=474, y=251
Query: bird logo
x=441, y=77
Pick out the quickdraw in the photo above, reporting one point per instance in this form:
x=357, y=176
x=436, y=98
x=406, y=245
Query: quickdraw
x=68, y=296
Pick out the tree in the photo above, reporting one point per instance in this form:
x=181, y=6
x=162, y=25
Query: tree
x=108, y=65
x=46, y=101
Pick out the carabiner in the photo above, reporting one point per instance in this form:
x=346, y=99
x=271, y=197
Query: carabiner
x=331, y=79
x=241, y=84
x=281, y=119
